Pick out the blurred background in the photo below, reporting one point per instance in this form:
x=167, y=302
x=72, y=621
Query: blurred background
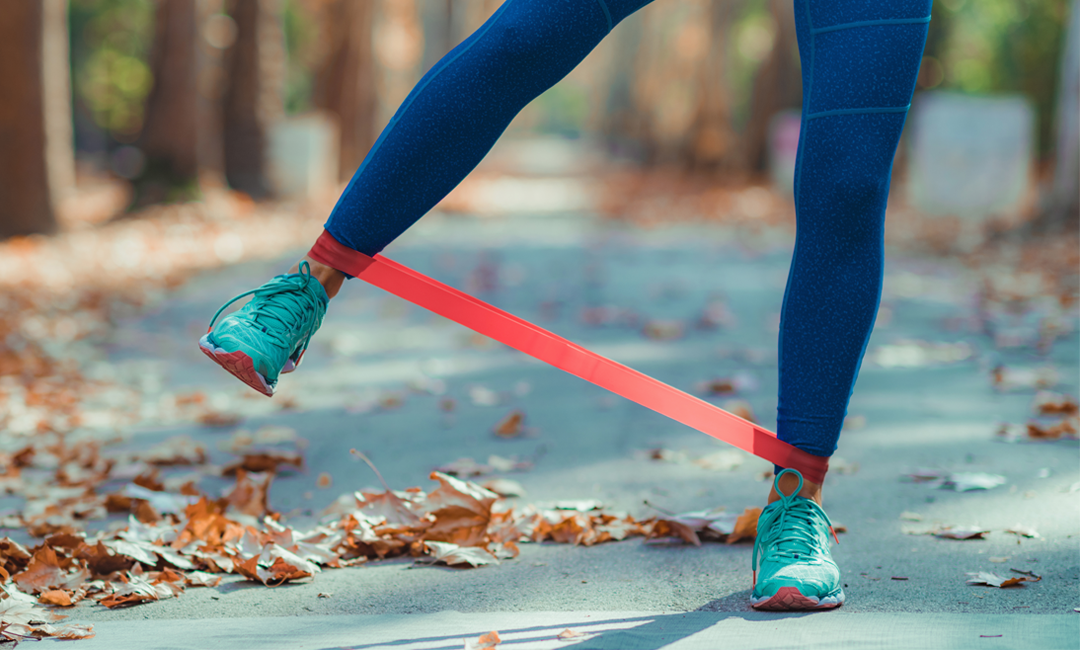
x=113, y=107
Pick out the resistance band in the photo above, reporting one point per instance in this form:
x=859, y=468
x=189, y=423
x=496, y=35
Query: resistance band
x=550, y=348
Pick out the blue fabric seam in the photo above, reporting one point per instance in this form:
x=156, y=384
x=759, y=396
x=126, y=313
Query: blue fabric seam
x=872, y=23
x=854, y=111
x=607, y=14
x=412, y=95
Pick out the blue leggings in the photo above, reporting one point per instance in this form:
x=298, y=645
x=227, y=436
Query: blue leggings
x=860, y=59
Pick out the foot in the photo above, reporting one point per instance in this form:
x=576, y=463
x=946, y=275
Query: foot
x=269, y=334
x=793, y=568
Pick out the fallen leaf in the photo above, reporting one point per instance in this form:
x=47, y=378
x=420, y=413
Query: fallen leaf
x=1050, y=403
x=664, y=528
x=961, y=532
x=740, y=408
x=265, y=461
x=966, y=481
x=249, y=494
x=512, y=425
x=745, y=526
x=454, y=555
x=505, y=487
x=572, y=635
x=483, y=642
x=57, y=597
x=201, y=579
x=1023, y=531
x=324, y=481
x=663, y=330
x=993, y=580
x=998, y=560
x=219, y=419
x=465, y=468
x=910, y=516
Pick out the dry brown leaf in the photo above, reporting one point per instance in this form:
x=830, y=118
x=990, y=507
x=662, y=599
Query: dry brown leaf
x=265, y=461
x=960, y=532
x=249, y=495
x=993, y=580
x=483, y=642
x=1050, y=403
x=1023, y=531
x=219, y=419
x=663, y=528
x=454, y=555
x=179, y=450
x=505, y=487
x=57, y=597
x=324, y=481
x=461, y=511
x=20, y=620
x=740, y=408
x=512, y=425
x=572, y=635
x=46, y=570
x=745, y=526
x=663, y=330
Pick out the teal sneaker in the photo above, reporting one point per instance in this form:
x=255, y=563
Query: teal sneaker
x=269, y=334
x=796, y=570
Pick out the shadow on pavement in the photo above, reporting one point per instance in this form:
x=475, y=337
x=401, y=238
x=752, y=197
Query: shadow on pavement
x=641, y=633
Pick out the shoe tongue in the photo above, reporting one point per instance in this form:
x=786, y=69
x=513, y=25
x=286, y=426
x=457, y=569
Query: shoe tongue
x=798, y=527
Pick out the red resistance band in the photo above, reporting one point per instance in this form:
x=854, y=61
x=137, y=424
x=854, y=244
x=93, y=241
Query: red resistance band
x=574, y=359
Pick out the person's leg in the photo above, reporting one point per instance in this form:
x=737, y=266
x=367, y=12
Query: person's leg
x=442, y=130
x=860, y=61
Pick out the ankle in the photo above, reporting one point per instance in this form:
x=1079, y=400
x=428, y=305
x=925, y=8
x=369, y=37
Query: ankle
x=789, y=482
x=330, y=278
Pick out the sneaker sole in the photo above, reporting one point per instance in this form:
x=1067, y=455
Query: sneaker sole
x=238, y=364
x=790, y=598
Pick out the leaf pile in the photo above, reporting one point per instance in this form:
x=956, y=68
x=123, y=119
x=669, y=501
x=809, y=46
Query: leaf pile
x=192, y=539
x=61, y=296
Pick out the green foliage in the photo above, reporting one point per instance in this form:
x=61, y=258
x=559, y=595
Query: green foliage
x=110, y=45
x=1002, y=46
x=301, y=46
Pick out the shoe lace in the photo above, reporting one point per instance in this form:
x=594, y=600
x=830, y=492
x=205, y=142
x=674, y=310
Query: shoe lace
x=283, y=315
x=792, y=528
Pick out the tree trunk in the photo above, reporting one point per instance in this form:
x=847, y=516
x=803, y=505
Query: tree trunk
x=345, y=81
x=254, y=95
x=440, y=19
x=181, y=135
x=711, y=142
x=777, y=85
x=1064, y=204
x=36, y=159
x=621, y=121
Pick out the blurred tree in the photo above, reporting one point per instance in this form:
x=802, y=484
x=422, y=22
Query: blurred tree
x=36, y=159
x=254, y=94
x=110, y=43
x=181, y=135
x=1061, y=204
x=777, y=83
x=442, y=23
x=345, y=78
x=711, y=142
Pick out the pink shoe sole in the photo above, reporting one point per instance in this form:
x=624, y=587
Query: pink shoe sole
x=239, y=365
x=789, y=598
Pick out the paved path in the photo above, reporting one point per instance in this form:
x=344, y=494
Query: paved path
x=601, y=630
x=588, y=445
